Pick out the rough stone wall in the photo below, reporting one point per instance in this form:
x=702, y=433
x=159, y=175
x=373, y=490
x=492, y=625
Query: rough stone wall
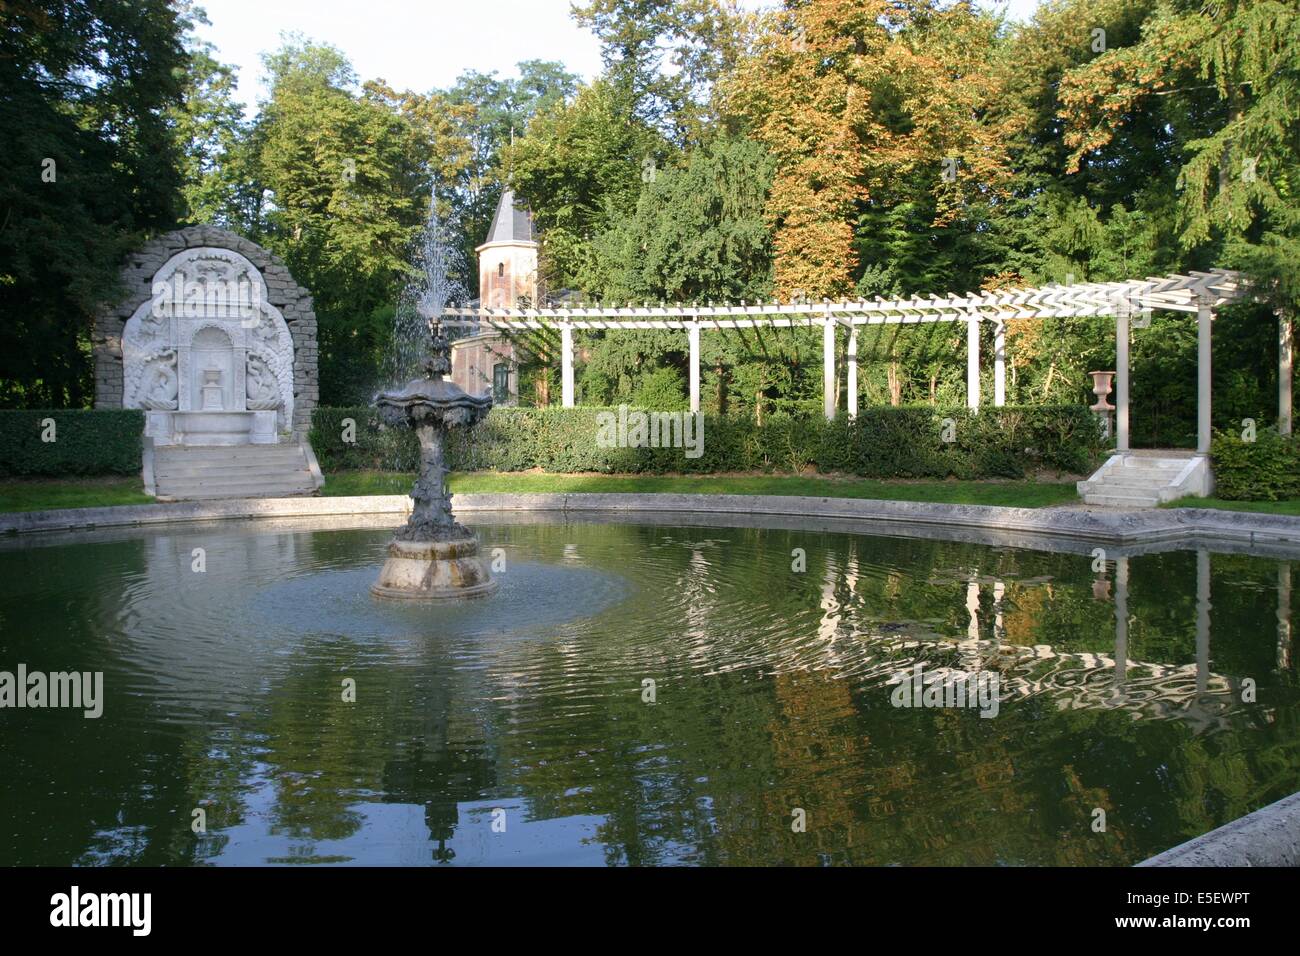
x=293, y=301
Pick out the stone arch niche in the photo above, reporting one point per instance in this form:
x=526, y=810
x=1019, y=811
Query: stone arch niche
x=216, y=343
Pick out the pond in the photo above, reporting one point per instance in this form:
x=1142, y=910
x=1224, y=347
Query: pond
x=638, y=694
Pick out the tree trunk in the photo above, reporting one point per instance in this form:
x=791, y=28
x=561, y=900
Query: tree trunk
x=542, y=387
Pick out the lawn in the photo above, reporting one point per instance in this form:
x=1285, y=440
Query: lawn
x=1286, y=507
x=48, y=494
x=1023, y=494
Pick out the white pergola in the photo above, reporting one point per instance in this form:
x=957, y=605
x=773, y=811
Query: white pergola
x=1198, y=292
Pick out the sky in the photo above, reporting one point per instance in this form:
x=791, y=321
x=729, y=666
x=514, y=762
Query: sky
x=421, y=44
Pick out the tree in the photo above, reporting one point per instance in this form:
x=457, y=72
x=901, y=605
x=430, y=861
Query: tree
x=702, y=39
x=220, y=181
x=697, y=231
x=345, y=185
x=488, y=112
x=868, y=106
x=90, y=164
x=1238, y=176
x=581, y=166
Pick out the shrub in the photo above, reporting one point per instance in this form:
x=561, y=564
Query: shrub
x=99, y=442
x=882, y=442
x=1266, y=469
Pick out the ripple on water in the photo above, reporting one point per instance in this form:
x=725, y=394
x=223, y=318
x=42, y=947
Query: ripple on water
x=533, y=599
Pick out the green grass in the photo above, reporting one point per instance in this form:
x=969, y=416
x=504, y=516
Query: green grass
x=1286, y=507
x=48, y=494
x=1022, y=494
x=43, y=495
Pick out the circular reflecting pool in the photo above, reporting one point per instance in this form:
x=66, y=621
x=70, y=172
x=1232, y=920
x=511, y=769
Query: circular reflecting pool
x=638, y=694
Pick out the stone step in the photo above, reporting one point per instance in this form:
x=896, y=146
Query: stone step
x=1121, y=500
x=270, y=478
x=236, y=488
x=266, y=478
x=240, y=471
x=1153, y=465
x=171, y=466
x=1119, y=486
x=1182, y=454
x=274, y=453
x=243, y=491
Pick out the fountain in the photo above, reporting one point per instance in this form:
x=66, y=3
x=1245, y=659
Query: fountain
x=433, y=557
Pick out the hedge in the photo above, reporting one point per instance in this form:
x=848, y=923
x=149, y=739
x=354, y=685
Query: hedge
x=1266, y=469
x=882, y=442
x=99, y=442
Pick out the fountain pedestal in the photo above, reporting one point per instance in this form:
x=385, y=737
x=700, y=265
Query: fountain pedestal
x=433, y=557
x=431, y=570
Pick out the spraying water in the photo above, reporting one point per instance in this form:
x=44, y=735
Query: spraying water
x=440, y=282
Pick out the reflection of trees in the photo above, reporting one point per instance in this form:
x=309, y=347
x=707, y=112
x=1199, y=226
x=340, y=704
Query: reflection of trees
x=918, y=786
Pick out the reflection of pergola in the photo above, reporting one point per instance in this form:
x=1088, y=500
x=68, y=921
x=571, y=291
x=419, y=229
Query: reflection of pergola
x=1199, y=292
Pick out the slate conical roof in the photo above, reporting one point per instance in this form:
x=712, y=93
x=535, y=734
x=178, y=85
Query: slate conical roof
x=512, y=222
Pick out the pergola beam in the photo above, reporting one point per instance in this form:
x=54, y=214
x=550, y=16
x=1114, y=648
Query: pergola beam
x=1199, y=292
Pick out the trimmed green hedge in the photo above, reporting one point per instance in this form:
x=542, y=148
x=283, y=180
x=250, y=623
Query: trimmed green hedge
x=882, y=442
x=99, y=442
x=1267, y=469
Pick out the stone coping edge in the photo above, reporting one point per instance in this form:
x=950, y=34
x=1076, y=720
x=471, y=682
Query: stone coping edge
x=1138, y=526
x=1268, y=837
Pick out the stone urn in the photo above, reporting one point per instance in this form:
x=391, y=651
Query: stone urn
x=1101, y=387
x=1101, y=384
x=433, y=557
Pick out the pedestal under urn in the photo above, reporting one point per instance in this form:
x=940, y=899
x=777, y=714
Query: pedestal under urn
x=433, y=557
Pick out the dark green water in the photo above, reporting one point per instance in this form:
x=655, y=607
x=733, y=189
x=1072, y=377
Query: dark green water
x=223, y=691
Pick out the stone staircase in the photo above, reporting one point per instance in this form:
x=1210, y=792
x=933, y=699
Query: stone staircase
x=1144, y=479
x=239, y=471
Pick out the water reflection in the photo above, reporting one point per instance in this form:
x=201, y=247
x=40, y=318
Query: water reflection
x=772, y=693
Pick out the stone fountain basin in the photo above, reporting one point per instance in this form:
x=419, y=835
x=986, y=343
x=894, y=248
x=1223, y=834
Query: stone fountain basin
x=433, y=571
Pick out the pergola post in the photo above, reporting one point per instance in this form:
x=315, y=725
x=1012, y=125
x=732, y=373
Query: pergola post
x=853, y=371
x=828, y=365
x=973, y=362
x=1204, y=316
x=693, y=333
x=1285, y=355
x=1121, y=380
x=999, y=363
x=566, y=366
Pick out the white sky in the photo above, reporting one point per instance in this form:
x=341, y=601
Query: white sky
x=421, y=44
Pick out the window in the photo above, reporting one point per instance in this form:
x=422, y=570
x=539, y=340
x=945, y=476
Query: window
x=500, y=382
x=501, y=269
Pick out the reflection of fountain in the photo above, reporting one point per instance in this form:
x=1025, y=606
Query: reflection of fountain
x=433, y=556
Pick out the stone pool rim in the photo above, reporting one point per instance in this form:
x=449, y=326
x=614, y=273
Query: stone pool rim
x=1144, y=526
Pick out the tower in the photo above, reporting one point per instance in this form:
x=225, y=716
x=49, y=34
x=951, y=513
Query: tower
x=507, y=260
